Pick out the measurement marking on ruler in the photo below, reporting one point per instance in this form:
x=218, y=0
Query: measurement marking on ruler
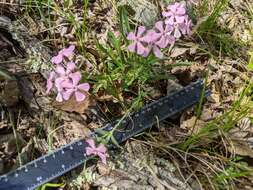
x=39, y=178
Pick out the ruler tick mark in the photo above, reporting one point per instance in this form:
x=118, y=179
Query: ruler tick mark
x=39, y=178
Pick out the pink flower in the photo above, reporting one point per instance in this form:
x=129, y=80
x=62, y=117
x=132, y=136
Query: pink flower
x=93, y=150
x=186, y=26
x=151, y=39
x=137, y=38
x=64, y=74
x=164, y=34
x=66, y=52
x=177, y=18
x=175, y=14
x=74, y=87
x=183, y=28
x=50, y=81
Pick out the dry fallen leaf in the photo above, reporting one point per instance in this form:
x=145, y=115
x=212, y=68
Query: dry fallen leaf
x=9, y=93
x=191, y=126
x=240, y=148
x=73, y=106
x=176, y=52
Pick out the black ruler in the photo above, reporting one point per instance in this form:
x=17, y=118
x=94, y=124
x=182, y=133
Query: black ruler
x=60, y=161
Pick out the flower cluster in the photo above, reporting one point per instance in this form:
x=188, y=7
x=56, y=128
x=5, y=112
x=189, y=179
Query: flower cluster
x=176, y=23
x=65, y=78
x=97, y=151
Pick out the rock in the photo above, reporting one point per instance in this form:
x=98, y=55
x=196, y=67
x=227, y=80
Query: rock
x=145, y=11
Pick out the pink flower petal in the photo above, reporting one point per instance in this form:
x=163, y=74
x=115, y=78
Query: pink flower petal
x=102, y=157
x=173, y=7
x=171, y=40
x=76, y=77
x=70, y=67
x=177, y=33
x=59, y=97
x=57, y=59
x=67, y=94
x=181, y=10
x=52, y=75
x=67, y=52
x=79, y=96
x=157, y=52
x=50, y=81
x=131, y=36
x=141, y=30
x=140, y=48
x=147, y=51
x=101, y=148
x=89, y=151
x=58, y=82
x=159, y=26
x=179, y=19
x=91, y=143
x=169, y=29
x=167, y=14
x=49, y=86
x=170, y=20
x=84, y=87
x=60, y=70
x=66, y=83
x=149, y=37
x=132, y=47
x=162, y=43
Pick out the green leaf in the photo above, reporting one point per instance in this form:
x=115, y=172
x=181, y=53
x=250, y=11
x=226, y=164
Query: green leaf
x=114, y=41
x=50, y=185
x=124, y=23
x=250, y=65
x=5, y=75
x=115, y=142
